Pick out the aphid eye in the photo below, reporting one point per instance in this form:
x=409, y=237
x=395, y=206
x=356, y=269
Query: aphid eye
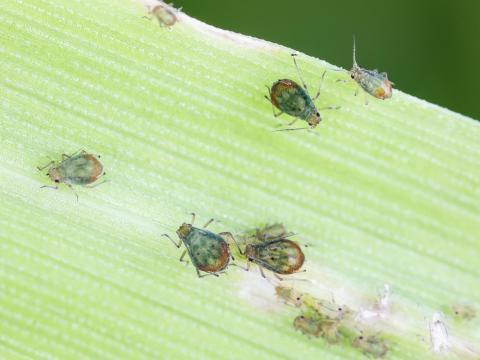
x=353, y=76
x=57, y=181
x=360, y=337
x=298, y=298
x=318, y=114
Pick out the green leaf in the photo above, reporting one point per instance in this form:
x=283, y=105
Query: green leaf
x=384, y=193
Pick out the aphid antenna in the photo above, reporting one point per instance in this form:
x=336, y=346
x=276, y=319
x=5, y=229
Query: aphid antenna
x=299, y=73
x=49, y=187
x=173, y=241
x=292, y=129
x=354, y=52
x=317, y=95
x=193, y=218
x=44, y=167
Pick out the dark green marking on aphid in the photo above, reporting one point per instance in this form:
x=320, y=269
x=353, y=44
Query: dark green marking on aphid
x=79, y=168
x=270, y=249
x=208, y=251
x=371, y=345
x=292, y=99
x=371, y=81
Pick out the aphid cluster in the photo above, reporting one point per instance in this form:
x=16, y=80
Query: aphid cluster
x=330, y=321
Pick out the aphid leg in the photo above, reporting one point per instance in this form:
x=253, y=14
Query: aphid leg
x=95, y=185
x=278, y=277
x=356, y=91
x=366, y=100
x=66, y=156
x=193, y=218
x=44, y=167
x=203, y=275
x=241, y=267
x=228, y=237
x=317, y=95
x=182, y=256
x=71, y=188
x=207, y=223
x=261, y=272
x=299, y=73
x=293, y=122
x=173, y=241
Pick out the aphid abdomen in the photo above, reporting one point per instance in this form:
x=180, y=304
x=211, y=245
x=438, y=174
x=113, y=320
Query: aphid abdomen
x=375, y=84
x=292, y=99
x=81, y=169
x=207, y=250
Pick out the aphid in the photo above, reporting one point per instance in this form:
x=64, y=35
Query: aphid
x=79, y=168
x=164, y=13
x=289, y=295
x=373, y=82
x=315, y=325
x=464, y=311
x=209, y=252
x=275, y=253
x=371, y=345
x=438, y=334
x=292, y=99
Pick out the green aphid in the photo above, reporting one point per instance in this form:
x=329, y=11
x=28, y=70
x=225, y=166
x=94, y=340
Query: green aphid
x=373, y=82
x=273, y=251
x=292, y=99
x=208, y=251
x=371, y=345
x=318, y=326
x=79, y=168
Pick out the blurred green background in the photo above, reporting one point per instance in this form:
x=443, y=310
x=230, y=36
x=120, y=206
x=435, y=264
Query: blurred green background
x=430, y=49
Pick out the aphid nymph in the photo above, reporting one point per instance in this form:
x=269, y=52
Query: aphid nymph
x=371, y=345
x=79, y=168
x=373, y=82
x=165, y=14
x=316, y=325
x=292, y=99
x=208, y=251
x=279, y=254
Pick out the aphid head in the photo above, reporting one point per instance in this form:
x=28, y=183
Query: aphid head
x=184, y=230
x=54, y=175
x=314, y=119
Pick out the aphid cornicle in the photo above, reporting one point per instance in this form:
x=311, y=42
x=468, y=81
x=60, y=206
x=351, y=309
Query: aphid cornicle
x=208, y=251
x=373, y=82
x=79, y=168
x=292, y=99
x=277, y=254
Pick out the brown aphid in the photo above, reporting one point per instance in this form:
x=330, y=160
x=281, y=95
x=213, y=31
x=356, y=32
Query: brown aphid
x=78, y=169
